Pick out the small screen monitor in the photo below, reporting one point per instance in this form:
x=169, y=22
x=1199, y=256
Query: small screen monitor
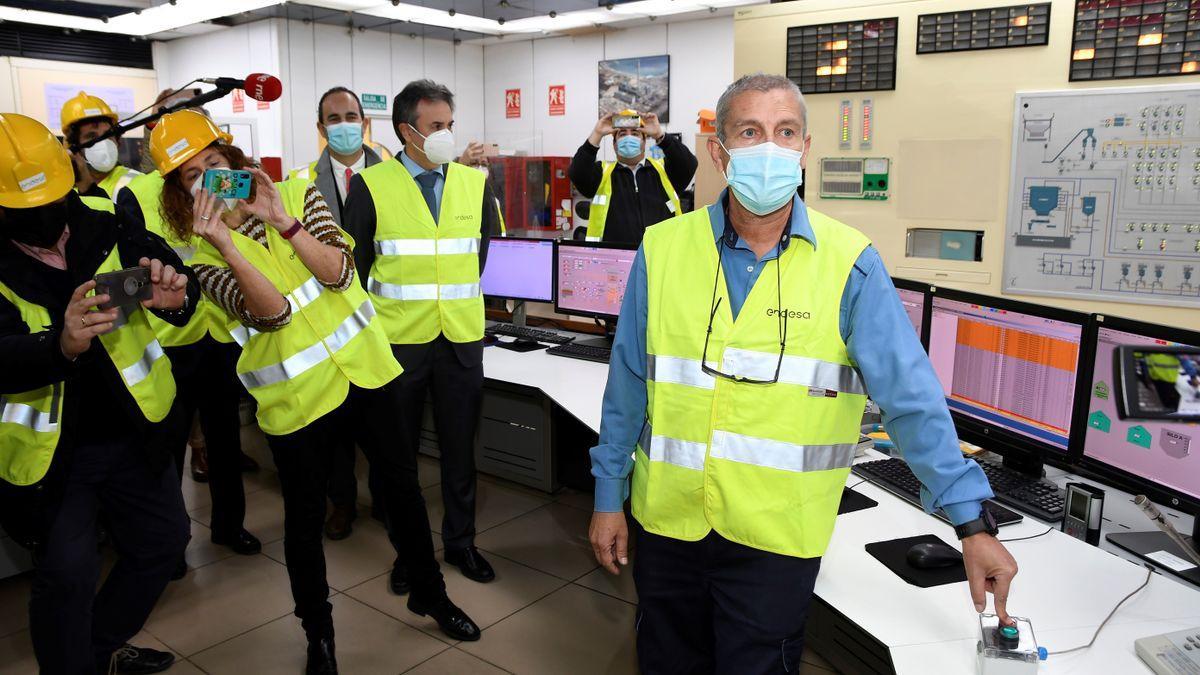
x=1008, y=369
x=591, y=278
x=519, y=269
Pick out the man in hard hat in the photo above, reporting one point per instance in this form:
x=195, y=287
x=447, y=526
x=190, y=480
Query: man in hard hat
x=636, y=191
x=97, y=173
x=86, y=395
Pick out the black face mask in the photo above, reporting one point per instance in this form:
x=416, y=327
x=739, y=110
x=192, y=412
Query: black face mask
x=41, y=226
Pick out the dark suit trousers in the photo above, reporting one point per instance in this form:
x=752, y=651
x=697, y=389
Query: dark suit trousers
x=454, y=374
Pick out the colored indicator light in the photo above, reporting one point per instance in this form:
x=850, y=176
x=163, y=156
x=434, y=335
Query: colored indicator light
x=1020, y=21
x=1083, y=54
x=1150, y=39
x=837, y=45
x=824, y=71
x=839, y=70
x=1190, y=67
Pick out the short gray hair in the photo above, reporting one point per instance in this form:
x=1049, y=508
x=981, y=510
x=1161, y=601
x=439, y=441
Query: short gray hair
x=404, y=106
x=757, y=82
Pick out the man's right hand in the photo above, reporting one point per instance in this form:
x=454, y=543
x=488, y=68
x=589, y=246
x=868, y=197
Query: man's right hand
x=603, y=128
x=81, y=324
x=609, y=534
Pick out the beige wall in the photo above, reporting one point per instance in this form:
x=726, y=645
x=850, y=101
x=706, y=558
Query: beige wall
x=949, y=119
x=27, y=79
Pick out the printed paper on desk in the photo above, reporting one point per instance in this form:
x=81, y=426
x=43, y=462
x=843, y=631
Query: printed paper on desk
x=1170, y=561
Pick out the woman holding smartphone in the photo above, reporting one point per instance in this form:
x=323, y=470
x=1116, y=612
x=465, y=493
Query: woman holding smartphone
x=313, y=357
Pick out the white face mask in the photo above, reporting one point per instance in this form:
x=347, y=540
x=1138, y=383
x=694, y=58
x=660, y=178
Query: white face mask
x=199, y=184
x=439, y=146
x=102, y=157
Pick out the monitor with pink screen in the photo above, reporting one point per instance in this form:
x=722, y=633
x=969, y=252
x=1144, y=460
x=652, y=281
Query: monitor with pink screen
x=591, y=278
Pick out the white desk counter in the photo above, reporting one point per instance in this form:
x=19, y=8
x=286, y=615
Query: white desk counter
x=577, y=386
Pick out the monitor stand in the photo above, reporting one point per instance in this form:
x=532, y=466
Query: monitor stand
x=605, y=342
x=520, y=344
x=1147, y=544
x=1023, y=462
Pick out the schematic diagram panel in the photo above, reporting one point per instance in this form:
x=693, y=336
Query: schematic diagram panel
x=1104, y=201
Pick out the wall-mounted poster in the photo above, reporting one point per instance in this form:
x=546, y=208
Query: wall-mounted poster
x=512, y=103
x=642, y=83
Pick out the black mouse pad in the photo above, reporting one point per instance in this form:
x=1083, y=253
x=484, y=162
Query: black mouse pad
x=893, y=554
x=854, y=501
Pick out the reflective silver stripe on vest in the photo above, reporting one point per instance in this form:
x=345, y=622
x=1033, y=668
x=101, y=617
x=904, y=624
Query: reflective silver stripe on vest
x=779, y=454
x=242, y=334
x=411, y=292
x=28, y=416
x=676, y=370
x=687, y=454
x=297, y=364
x=427, y=246
x=185, y=253
x=801, y=370
x=140, y=369
x=305, y=294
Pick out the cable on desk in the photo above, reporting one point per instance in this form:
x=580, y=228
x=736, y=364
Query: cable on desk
x=1032, y=536
x=1149, y=572
x=851, y=487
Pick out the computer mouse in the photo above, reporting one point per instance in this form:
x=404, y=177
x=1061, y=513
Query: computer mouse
x=933, y=556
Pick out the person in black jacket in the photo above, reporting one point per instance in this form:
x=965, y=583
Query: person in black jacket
x=93, y=446
x=636, y=191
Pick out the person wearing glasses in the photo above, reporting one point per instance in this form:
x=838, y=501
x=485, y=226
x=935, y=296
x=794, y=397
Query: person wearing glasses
x=750, y=335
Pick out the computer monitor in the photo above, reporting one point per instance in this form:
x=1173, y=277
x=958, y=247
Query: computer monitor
x=1009, y=372
x=519, y=269
x=914, y=295
x=590, y=277
x=1143, y=453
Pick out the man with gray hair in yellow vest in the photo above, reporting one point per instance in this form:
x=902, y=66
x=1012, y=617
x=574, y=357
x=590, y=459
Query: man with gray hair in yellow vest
x=421, y=223
x=750, y=334
x=636, y=191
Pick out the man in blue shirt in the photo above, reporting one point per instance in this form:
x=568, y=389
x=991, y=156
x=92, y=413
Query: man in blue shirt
x=716, y=604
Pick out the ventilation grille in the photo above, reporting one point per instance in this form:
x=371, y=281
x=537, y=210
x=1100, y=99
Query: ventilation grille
x=841, y=188
x=842, y=165
x=41, y=42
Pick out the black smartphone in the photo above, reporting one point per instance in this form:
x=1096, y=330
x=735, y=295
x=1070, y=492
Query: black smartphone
x=124, y=288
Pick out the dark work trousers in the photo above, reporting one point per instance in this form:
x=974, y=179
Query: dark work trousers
x=457, y=389
x=206, y=381
x=715, y=606
x=304, y=458
x=73, y=627
x=343, y=482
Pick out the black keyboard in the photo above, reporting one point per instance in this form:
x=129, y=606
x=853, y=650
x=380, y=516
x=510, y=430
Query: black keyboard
x=509, y=330
x=584, y=352
x=1039, y=498
x=894, y=476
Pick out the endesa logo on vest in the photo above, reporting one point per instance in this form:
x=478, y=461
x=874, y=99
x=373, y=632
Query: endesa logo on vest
x=788, y=313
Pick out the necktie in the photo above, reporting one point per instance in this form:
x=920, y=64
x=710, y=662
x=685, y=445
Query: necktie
x=349, y=173
x=427, y=181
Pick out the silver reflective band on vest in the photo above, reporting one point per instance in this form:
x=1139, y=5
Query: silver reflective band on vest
x=423, y=291
x=305, y=294
x=185, y=253
x=140, y=369
x=427, y=246
x=800, y=370
x=779, y=454
x=242, y=334
x=297, y=364
x=28, y=416
x=687, y=454
x=676, y=370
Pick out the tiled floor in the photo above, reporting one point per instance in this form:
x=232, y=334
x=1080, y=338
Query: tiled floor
x=551, y=609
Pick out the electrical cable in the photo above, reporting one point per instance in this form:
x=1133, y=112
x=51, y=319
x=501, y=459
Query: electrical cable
x=1149, y=573
x=1032, y=536
x=851, y=487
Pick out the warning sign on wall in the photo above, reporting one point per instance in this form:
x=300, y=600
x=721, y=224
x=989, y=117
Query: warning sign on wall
x=558, y=99
x=239, y=101
x=512, y=103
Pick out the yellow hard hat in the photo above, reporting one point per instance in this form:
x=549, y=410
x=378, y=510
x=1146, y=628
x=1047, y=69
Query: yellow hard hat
x=35, y=168
x=83, y=107
x=180, y=136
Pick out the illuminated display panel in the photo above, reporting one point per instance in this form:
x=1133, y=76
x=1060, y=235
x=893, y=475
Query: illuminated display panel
x=991, y=28
x=1116, y=39
x=850, y=56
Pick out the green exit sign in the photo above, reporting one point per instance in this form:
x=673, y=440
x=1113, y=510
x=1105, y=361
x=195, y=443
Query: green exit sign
x=374, y=102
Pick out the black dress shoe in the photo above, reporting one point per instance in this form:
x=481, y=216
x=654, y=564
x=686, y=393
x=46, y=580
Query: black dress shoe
x=242, y=542
x=453, y=621
x=341, y=522
x=181, y=570
x=472, y=564
x=398, y=580
x=140, y=660
x=320, y=658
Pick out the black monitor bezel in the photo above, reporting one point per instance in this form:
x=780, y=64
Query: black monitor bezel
x=927, y=310
x=1108, y=473
x=553, y=277
x=1010, y=445
x=558, y=309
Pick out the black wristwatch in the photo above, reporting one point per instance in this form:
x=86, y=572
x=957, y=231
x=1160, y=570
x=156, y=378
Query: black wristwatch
x=986, y=522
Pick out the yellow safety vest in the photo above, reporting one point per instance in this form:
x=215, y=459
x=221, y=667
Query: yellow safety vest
x=425, y=279
x=598, y=212
x=98, y=203
x=208, y=319
x=762, y=464
x=308, y=173
x=118, y=178
x=1163, y=367
x=30, y=421
x=304, y=370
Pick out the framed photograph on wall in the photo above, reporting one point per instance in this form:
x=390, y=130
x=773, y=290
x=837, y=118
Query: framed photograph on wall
x=642, y=83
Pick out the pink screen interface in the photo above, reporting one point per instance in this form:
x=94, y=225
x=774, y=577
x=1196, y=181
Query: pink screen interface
x=1156, y=450
x=592, y=279
x=914, y=306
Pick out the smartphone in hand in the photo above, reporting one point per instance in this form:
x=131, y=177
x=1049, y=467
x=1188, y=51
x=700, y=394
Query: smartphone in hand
x=230, y=183
x=124, y=288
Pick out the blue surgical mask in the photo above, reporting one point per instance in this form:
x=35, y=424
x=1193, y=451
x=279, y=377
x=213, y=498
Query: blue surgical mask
x=345, y=138
x=629, y=147
x=764, y=177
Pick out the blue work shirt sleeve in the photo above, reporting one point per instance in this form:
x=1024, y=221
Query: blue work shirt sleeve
x=901, y=380
x=624, y=407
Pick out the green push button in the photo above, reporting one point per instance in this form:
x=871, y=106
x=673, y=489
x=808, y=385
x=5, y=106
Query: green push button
x=1009, y=631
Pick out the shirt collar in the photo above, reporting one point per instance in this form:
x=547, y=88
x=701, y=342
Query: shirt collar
x=416, y=169
x=798, y=224
x=340, y=168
